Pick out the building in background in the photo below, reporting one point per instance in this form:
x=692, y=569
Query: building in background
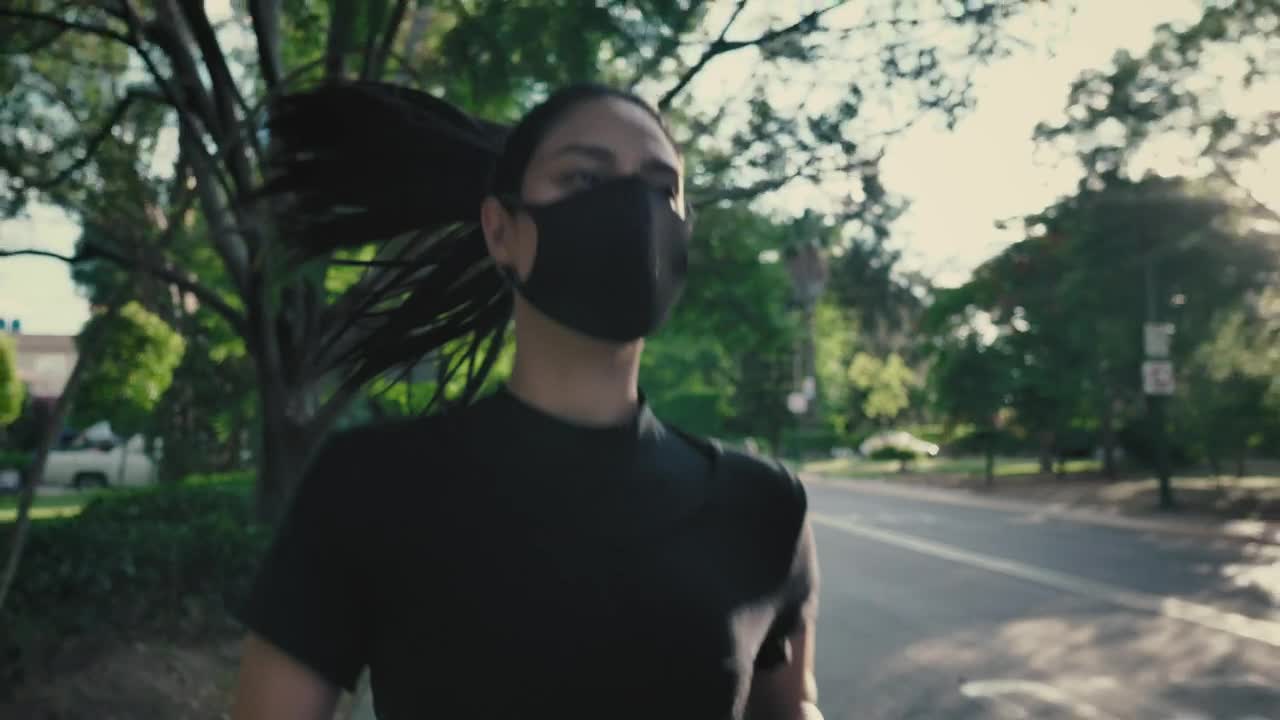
x=44, y=362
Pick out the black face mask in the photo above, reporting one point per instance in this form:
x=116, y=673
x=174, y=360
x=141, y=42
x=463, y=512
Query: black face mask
x=611, y=260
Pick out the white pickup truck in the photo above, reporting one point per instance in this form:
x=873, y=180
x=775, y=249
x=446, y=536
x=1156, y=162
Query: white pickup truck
x=98, y=459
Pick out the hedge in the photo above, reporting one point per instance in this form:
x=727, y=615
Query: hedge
x=166, y=558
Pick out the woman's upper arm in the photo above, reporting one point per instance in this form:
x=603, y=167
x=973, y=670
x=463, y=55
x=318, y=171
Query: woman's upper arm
x=274, y=686
x=308, y=610
x=787, y=689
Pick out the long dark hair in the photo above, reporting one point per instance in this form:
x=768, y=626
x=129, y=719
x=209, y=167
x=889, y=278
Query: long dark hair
x=359, y=165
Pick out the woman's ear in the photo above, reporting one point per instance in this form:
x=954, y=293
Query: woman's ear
x=497, y=224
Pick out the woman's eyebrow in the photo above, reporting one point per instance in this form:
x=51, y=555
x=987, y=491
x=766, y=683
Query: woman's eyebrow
x=660, y=167
x=597, y=153
x=605, y=156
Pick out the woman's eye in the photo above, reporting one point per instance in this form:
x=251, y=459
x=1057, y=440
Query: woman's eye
x=580, y=179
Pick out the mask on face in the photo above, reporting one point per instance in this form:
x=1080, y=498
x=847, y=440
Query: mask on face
x=611, y=260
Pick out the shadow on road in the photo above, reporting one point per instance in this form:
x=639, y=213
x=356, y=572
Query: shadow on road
x=1109, y=666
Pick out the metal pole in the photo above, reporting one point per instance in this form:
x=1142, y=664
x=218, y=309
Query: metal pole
x=1156, y=403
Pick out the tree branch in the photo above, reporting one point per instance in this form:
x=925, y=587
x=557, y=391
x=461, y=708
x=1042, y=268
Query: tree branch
x=94, y=251
x=200, y=158
x=226, y=96
x=377, y=62
x=335, y=53
x=265, y=15
x=721, y=46
x=90, y=148
x=235, y=255
x=747, y=192
x=663, y=51
x=70, y=25
x=35, y=473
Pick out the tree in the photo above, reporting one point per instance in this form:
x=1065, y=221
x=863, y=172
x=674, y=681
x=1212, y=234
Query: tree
x=34, y=473
x=715, y=368
x=1231, y=383
x=86, y=133
x=883, y=386
x=135, y=354
x=1069, y=302
x=836, y=333
x=206, y=415
x=1206, y=86
x=12, y=391
x=970, y=384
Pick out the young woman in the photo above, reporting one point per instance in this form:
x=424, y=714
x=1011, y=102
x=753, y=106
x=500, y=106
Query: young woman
x=552, y=550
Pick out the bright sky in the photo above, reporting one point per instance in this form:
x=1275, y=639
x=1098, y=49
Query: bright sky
x=959, y=182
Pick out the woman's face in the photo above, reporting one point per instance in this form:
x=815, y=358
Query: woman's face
x=595, y=141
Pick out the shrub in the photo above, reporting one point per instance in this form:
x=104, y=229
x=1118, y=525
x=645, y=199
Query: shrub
x=12, y=460
x=170, y=558
x=895, y=454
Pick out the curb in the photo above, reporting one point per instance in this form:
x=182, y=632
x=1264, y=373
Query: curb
x=1238, y=530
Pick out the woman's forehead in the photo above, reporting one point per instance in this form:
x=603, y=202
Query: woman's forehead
x=627, y=130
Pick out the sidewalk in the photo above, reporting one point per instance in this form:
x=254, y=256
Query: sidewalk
x=1124, y=504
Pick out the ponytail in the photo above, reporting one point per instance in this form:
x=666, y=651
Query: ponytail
x=364, y=164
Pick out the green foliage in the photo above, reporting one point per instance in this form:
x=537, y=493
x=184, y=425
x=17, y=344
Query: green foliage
x=715, y=368
x=1067, y=305
x=835, y=330
x=1195, y=82
x=14, y=460
x=970, y=382
x=25, y=432
x=1231, y=391
x=169, y=558
x=12, y=391
x=883, y=385
x=133, y=355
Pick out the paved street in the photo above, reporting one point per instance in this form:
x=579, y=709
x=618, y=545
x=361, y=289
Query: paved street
x=933, y=610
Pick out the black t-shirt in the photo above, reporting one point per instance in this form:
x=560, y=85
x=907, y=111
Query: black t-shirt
x=497, y=562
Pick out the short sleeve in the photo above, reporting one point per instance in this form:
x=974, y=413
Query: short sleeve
x=308, y=598
x=798, y=603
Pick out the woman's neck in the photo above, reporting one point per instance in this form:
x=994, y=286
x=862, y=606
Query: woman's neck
x=573, y=377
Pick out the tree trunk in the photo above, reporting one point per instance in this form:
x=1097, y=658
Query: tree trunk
x=991, y=459
x=1108, y=431
x=1046, y=452
x=287, y=445
x=35, y=473
x=775, y=440
x=1241, y=458
x=1215, y=464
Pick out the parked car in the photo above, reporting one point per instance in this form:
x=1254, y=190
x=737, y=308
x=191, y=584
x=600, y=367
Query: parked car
x=97, y=458
x=898, y=440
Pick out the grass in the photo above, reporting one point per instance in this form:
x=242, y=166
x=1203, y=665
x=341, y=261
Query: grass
x=1005, y=467
x=46, y=506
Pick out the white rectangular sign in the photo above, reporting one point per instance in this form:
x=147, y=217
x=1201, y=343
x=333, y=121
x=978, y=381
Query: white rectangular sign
x=1158, y=378
x=1157, y=338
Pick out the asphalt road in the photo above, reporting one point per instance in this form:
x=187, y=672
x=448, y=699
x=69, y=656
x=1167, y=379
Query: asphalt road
x=932, y=610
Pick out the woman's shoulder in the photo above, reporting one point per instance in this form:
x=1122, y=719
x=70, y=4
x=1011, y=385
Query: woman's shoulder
x=745, y=477
x=763, y=479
